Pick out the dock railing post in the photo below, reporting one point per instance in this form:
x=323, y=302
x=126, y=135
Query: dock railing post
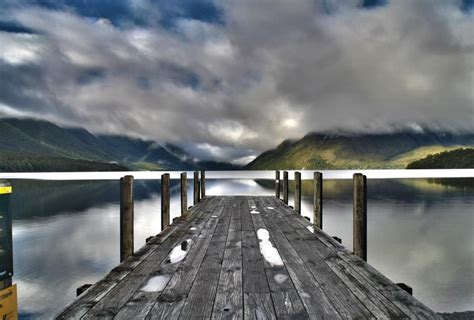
x=277, y=184
x=203, y=184
x=298, y=192
x=184, y=193
x=318, y=200
x=165, y=200
x=196, y=187
x=126, y=217
x=360, y=215
x=285, y=187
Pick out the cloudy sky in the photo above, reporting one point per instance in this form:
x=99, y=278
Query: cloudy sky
x=233, y=78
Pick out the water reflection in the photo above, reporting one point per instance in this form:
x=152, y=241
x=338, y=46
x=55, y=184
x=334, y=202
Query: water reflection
x=66, y=234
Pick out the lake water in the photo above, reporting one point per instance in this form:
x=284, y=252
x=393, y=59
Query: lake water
x=66, y=233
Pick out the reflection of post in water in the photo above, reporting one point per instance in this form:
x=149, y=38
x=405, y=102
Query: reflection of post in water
x=8, y=298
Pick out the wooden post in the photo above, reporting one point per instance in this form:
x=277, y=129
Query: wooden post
x=203, y=184
x=285, y=187
x=184, y=193
x=277, y=184
x=126, y=217
x=318, y=200
x=165, y=200
x=298, y=192
x=6, y=235
x=360, y=215
x=196, y=187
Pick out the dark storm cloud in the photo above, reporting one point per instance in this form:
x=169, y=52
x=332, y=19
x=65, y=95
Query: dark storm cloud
x=235, y=78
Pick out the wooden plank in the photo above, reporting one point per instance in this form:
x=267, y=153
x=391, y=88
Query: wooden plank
x=116, y=299
x=170, y=302
x=228, y=274
x=126, y=217
x=316, y=302
x=288, y=305
x=374, y=301
x=337, y=294
x=88, y=299
x=200, y=300
x=254, y=278
x=258, y=306
x=229, y=302
x=278, y=279
x=368, y=277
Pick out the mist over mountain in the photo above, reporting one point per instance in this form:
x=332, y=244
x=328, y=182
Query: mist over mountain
x=358, y=151
x=36, y=145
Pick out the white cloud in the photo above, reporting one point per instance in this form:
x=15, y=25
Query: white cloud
x=273, y=70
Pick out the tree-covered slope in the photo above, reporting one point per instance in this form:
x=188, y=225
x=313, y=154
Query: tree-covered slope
x=323, y=151
x=36, y=145
x=23, y=162
x=455, y=159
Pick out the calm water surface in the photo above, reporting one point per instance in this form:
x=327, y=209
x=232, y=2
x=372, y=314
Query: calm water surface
x=66, y=233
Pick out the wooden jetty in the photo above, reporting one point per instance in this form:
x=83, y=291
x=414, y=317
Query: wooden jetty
x=245, y=257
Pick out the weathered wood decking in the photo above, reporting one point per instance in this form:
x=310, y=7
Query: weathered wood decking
x=242, y=257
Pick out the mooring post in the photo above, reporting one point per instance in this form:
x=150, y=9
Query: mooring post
x=360, y=215
x=203, y=184
x=277, y=184
x=196, y=187
x=126, y=217
x=6, y=235
x=298, y=192
x=165, y=200
x=184, y=193
x=285, y=187
x=318, y=200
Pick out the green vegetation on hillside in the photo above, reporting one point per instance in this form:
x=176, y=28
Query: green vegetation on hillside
x=22, y=162
x=368, y=151
x=36, y=145
x=459, y=158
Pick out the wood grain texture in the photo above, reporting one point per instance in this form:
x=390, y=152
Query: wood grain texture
x=165, y=200
x=184, y=193
x=126, y=217
x=245, y=258
x=359, y=232
x=196, y=189
x=318, y=200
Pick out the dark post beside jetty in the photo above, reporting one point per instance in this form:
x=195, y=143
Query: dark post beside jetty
x=277, y=184
x=285, y=187
x=298, y=192
x=165, y=200
x=6, y=250
x=126, y=217
x=196, y=187
x=360, y=215
x=184, y=193
x=203, y=184
x=318, y=200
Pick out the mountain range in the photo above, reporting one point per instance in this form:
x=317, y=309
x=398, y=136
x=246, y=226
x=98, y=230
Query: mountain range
x=359, y=151
x=36, y=145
